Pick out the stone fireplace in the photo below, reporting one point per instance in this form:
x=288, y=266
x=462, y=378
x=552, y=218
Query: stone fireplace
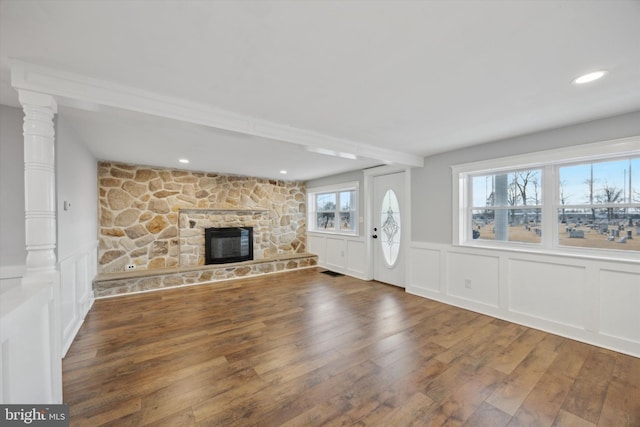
x=154, y=218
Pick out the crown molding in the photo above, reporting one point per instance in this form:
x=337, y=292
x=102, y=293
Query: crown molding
x=90, y=93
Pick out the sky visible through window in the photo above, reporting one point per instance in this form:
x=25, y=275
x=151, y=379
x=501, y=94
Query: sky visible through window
x=575, y=181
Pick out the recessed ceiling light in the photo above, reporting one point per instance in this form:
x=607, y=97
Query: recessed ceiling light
x=184, y=160
x=589, y=77
x=283, y=172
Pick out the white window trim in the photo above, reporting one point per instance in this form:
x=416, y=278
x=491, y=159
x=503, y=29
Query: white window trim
x=548, y=161
x=347, y=186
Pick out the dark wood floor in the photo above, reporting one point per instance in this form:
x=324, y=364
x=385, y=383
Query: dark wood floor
x=308, y=349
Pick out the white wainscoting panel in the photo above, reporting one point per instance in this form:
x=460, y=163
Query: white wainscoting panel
x=30, y=367
x=584, y=298
x=336, y=254
x=474, y=277
x=356, y=259
x=69, y=311
x=317, y=245
x=620, y=304
x=343, y=254
x=547, y=290
x=424, y=272
x=76, y=292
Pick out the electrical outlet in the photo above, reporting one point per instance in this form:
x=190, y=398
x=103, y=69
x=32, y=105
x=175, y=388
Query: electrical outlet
x=467, y=283
x=130, y=267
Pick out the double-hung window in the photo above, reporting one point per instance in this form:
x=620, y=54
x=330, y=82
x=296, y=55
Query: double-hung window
x=334, y=209
x=585, y=198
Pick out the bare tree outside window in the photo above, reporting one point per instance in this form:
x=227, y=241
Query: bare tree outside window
x=609, y=194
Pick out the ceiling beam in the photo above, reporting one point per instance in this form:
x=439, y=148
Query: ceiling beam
x=90, y=94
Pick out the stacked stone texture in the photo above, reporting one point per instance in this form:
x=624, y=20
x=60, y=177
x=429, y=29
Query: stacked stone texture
x=105, y=288
x=140, y=211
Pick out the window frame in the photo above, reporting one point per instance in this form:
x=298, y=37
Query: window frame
x=549, y=162
x=312, y=194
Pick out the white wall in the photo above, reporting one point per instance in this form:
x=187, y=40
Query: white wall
x=76, y=183
x=12, y=235
x=584, y=298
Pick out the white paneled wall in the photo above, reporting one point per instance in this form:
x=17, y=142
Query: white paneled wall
x=587, y=299
x=619, y=297
x=76, y=294
x=474, y=278
x=344, y=254
x=28, y=370
x=548, y=290
x=38, y=322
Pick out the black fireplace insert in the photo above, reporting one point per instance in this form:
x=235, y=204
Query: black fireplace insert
x=228, y=244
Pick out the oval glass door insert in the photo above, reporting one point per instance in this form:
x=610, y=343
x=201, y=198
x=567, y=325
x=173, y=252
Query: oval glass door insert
x=391, y=227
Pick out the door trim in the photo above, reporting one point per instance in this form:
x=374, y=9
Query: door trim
x=405, y=243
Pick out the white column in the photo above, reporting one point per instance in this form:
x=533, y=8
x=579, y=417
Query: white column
x=39, y=181
x=502, y=215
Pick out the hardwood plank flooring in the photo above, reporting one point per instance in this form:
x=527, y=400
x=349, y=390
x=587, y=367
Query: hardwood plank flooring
x=307, y=349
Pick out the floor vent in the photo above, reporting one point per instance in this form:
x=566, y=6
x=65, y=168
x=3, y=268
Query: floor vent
x=332, y=273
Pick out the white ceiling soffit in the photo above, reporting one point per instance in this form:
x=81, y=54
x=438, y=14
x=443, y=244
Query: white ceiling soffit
x=82, y=92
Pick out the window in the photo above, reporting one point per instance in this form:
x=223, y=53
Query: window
x=580, y=199
x=599, y=204
x=507, y=206
x=334, y=209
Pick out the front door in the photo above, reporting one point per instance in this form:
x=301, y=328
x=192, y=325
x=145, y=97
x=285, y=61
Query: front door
x=387, y=233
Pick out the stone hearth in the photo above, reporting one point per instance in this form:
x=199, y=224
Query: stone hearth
x=114, y=284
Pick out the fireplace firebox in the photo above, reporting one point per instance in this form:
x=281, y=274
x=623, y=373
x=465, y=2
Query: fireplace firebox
x=228, y=244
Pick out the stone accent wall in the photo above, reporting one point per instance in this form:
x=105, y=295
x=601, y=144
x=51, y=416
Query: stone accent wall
x=140, y=208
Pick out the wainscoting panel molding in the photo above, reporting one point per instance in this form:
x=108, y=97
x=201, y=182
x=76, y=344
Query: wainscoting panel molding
x=587, y=299
x=336, y=257
x=356, y=260
x=424, y=271
x=560, y=296
x=475, y=277
x=343, y=254
x=77, y=271
x=620, y=304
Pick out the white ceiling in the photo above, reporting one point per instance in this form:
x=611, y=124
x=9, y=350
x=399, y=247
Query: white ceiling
x=412, y=77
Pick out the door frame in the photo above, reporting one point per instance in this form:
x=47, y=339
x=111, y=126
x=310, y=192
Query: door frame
x=405, y=243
